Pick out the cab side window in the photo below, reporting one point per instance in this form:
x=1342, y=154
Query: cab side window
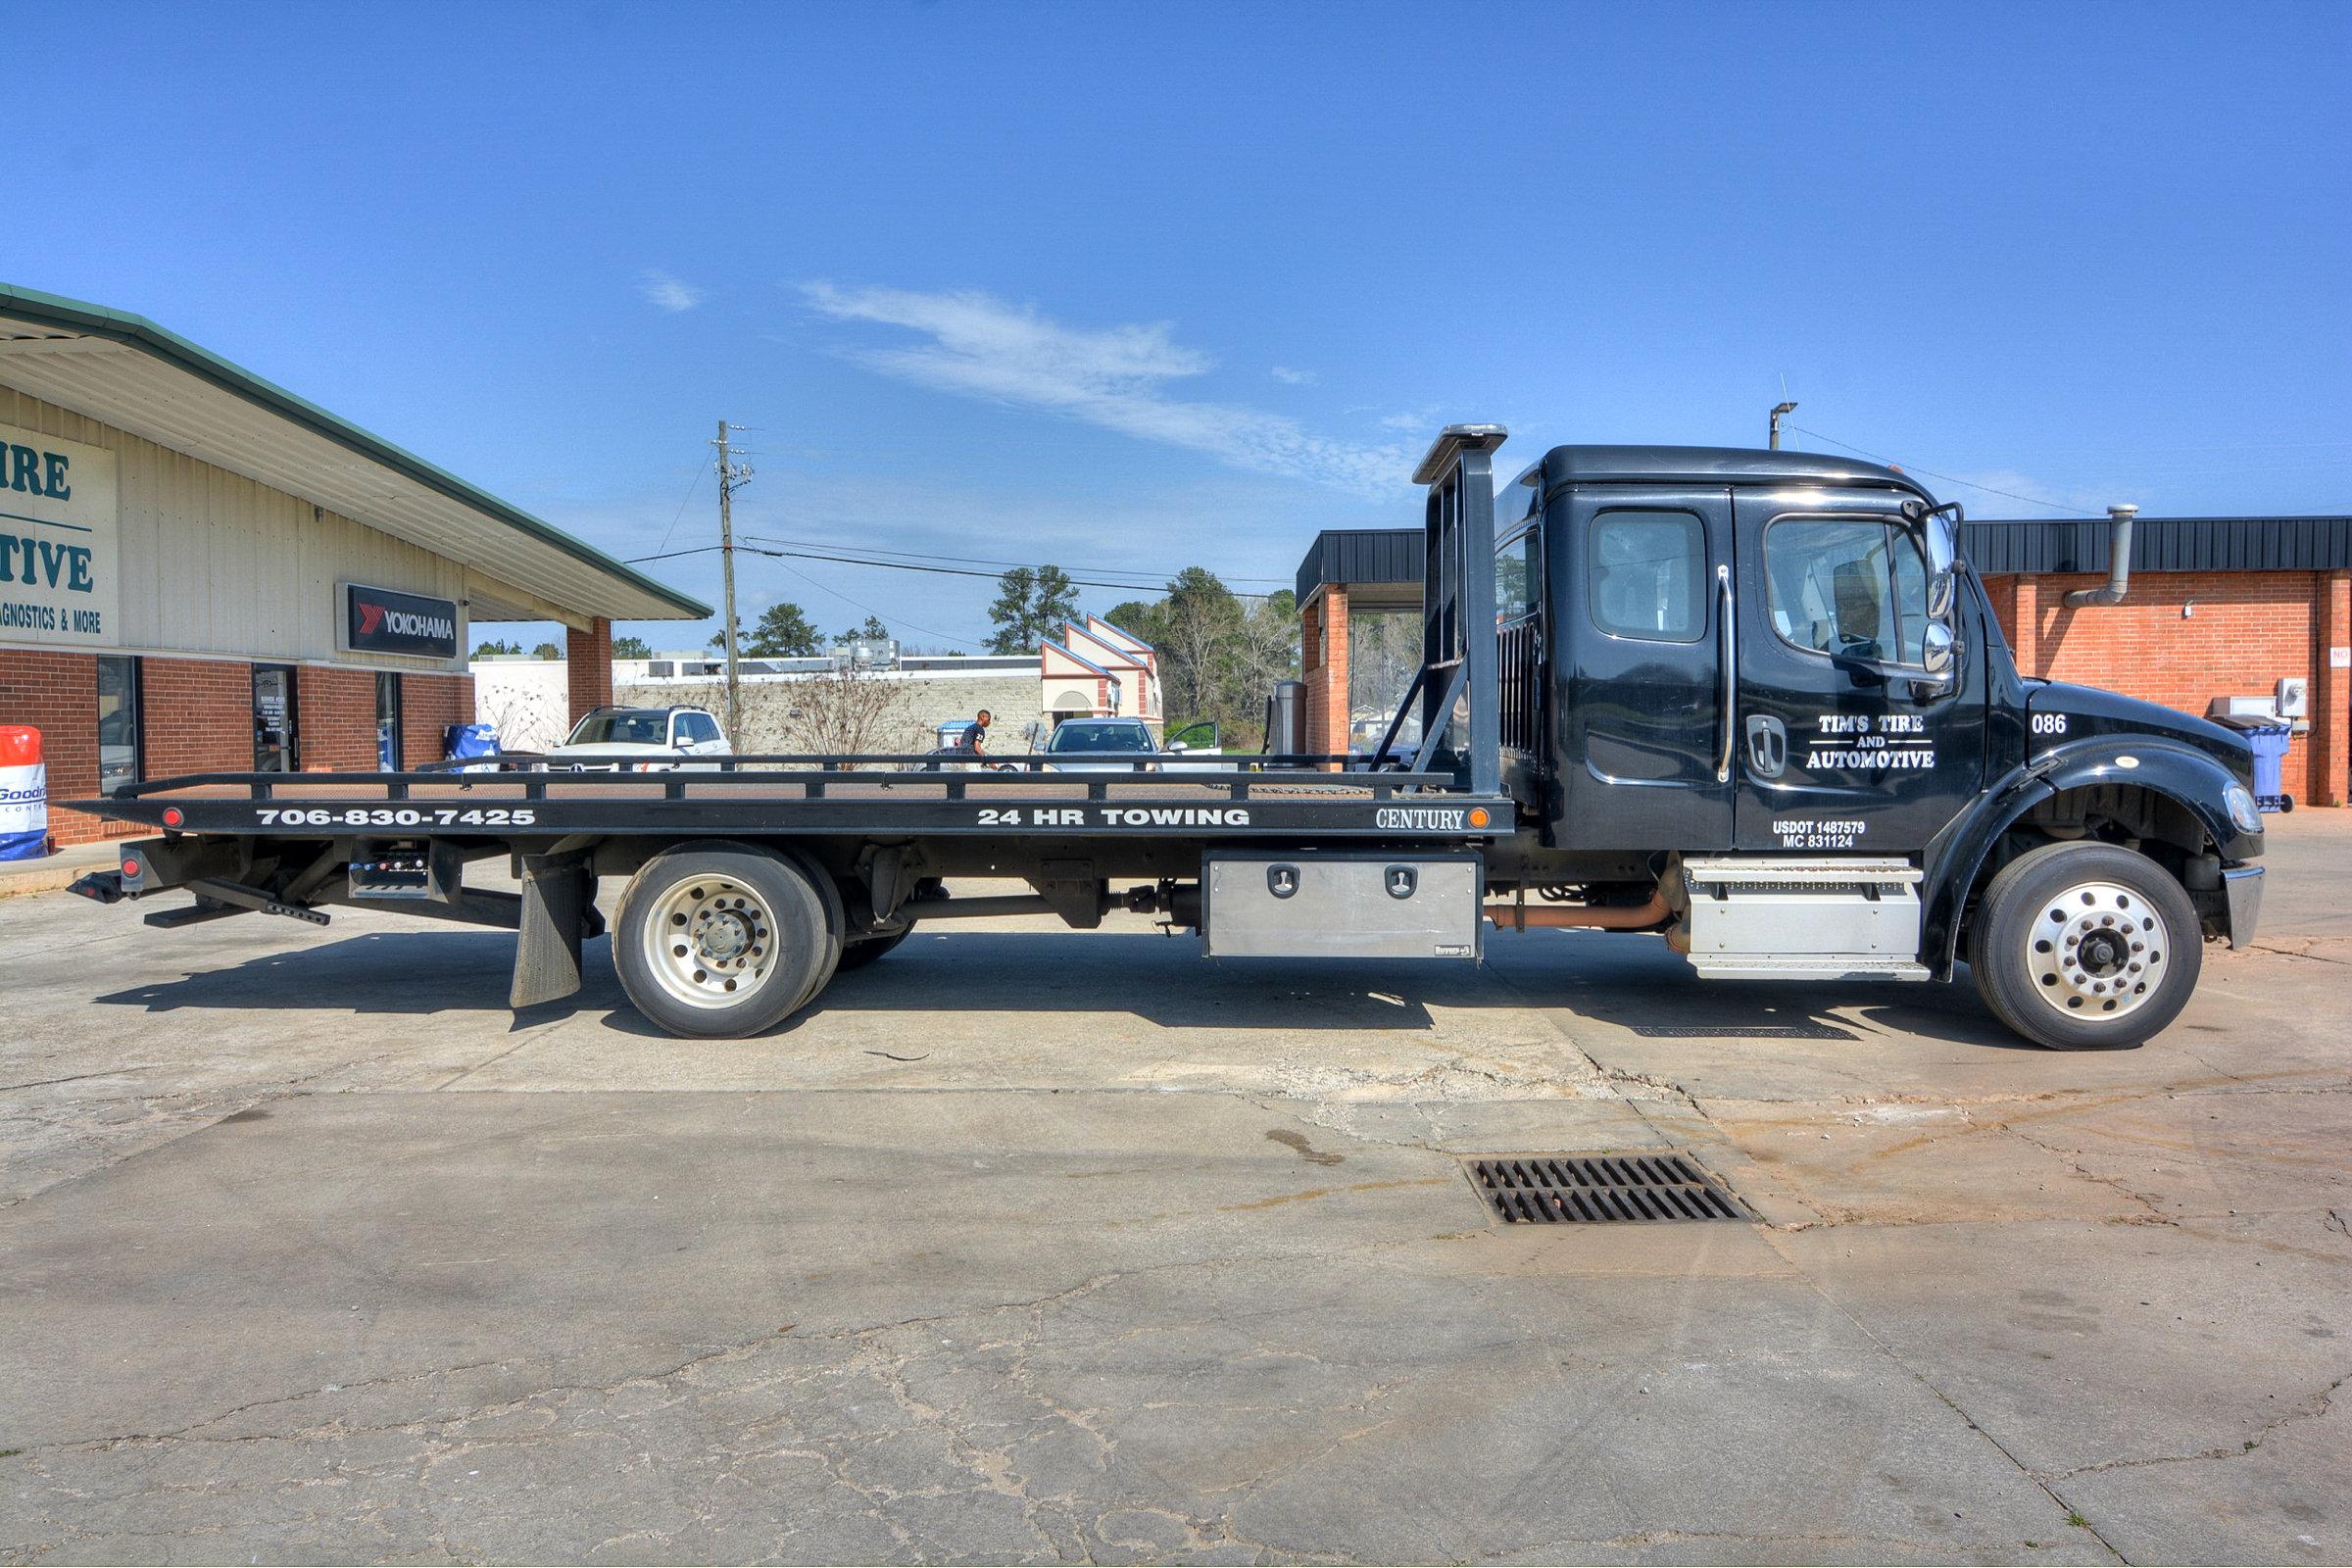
x=1851, y=587
x=1518, y=583
x=1645, y=576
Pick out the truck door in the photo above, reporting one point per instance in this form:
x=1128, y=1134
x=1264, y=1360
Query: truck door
x=1640, y=580
x=1840, y=751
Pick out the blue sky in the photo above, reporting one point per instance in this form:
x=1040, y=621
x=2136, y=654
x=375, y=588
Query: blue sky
x=1141, y=287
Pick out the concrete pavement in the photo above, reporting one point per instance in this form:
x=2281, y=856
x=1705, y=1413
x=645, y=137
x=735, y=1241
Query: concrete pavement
x=1037, y=1246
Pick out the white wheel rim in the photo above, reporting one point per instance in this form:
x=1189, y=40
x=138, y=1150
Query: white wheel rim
x=710, y=940
x=2098, y=951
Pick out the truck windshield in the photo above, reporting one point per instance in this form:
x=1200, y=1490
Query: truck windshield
x=1083, y=737
x=637, y=728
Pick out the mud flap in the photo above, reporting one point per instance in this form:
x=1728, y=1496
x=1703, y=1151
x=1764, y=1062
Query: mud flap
x=558, y=894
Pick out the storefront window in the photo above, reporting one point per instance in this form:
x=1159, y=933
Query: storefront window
x=118, y=760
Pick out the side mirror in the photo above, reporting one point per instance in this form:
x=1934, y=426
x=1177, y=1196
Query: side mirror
x=1935, y=647
x=1178, y=746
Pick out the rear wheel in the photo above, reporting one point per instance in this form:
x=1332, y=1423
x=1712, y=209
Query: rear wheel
x=2084, y=947
x=722, y=939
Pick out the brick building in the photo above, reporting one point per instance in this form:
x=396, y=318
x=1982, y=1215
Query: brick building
x=2217, y=607
x=199, y=572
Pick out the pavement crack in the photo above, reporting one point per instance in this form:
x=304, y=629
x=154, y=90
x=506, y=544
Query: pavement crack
x=2046, y=1486
x=2312, y=1410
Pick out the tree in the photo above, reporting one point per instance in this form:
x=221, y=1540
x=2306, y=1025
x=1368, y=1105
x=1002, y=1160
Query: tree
x=630, y=648
x=1131, y=615
x=783, y=632
x=1219, y=656
x=493, y=648
x=1031, y=607
x=547, y=650
x=873, y=631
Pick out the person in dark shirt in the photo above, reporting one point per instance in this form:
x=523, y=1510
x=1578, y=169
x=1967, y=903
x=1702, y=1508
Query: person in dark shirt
x=975, y=737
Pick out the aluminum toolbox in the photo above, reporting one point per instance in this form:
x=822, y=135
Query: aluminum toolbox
x=1342, y=905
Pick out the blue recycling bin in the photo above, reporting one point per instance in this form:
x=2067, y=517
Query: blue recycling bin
x=2269, y=738
x=462, y=741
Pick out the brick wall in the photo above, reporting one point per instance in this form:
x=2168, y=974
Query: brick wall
x=588, y=657
x=2240, y=633
x=196, y=715
x=335, y=712
x=1323, y=665
x=57, y=694
x=428, y=705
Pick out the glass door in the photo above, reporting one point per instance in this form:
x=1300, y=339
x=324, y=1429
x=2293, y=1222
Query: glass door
x=274, y=741
x=387, y=721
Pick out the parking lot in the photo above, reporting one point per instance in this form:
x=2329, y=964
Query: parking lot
x=1043, y=1246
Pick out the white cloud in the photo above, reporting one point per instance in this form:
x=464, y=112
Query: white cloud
x=1423, y=420
x=1113, y=377
x=665, y=292
x=1290, y=377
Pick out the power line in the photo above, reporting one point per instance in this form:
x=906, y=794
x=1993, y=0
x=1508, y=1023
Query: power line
x=1913, y=467
x=984, y=560
x=909, y=565
x=927, y=631
x=695, y=484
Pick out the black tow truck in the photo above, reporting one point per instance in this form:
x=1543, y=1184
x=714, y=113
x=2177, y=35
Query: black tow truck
x=1754, y=703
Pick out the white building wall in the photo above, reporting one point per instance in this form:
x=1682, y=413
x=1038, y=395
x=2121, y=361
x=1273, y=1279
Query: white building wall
x=213, y=563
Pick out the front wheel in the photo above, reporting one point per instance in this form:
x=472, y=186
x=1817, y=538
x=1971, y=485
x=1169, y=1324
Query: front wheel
x=722, y=939
x=2086, y=946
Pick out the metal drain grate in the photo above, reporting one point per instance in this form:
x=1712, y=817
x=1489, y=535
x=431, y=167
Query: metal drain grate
x=1594, y=1189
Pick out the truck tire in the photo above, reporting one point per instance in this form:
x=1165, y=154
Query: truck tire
x=2086, y=946
x=719, y=940
x=858, y=954
x=837, y=926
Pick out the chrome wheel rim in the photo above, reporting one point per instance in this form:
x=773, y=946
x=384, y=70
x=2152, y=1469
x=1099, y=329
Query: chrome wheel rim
x=2098, y=951
x=710, y=940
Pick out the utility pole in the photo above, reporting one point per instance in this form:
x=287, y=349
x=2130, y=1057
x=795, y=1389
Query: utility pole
x=1785, y=408
x=730, y=474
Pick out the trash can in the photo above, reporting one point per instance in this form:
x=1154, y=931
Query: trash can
x=24, y=795
x=2269, y=737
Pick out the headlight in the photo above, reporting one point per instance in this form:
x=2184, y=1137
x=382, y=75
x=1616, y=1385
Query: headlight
x=2243, y=809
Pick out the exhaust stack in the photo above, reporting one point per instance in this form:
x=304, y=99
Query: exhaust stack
x=2119, y=561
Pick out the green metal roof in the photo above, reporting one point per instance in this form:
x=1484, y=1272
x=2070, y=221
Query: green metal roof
x=82, y=319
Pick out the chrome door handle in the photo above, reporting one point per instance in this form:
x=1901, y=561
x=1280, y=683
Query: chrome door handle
x=1730, y=635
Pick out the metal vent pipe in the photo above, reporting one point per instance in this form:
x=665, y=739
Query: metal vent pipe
x=2119, y=561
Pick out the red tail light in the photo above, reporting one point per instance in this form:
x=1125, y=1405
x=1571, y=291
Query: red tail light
x=173, y=816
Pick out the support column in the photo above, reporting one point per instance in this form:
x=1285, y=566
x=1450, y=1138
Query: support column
x=2330, y=783
x=588, y=659
x=1323, y=667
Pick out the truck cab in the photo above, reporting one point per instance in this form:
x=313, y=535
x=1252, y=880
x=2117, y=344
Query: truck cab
x=1765, y=689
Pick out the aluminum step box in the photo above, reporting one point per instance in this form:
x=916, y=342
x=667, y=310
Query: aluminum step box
x=1801, y=916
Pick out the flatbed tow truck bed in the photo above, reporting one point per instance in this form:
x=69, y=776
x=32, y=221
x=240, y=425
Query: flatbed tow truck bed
x=793, y=795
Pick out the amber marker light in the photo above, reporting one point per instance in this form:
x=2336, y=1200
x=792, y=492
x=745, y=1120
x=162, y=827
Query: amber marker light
x=1478, y=816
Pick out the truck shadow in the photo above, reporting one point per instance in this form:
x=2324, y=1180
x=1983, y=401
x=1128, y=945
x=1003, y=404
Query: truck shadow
x=1630, y=982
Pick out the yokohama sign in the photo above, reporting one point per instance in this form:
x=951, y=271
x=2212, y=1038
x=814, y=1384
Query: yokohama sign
x=384, y=620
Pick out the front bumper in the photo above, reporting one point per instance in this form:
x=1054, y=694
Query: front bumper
x=2241, y=886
